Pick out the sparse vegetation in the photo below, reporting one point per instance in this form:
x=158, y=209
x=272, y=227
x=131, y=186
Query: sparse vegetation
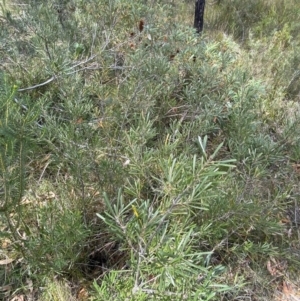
x=141, y=161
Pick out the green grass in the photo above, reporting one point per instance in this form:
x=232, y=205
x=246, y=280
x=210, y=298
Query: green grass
x=148, y=164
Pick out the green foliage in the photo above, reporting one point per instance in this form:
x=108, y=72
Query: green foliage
x=160, y=164
x=259, y=17
x=165, y=263
x=17, y=126
x=54, y=246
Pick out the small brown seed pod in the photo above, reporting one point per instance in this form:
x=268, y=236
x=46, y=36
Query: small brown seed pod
x=141, y=25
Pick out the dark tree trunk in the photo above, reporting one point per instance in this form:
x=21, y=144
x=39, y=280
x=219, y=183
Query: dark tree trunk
x=199, y=15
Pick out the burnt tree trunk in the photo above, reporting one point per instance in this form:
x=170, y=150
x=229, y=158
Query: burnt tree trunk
x=199, y=15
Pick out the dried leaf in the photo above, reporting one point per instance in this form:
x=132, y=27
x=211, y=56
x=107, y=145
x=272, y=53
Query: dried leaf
x=270, y=268
x=83, y=294
x=286, y=288
x=18, y=298
x=6, y=261
x=127, y=162
x=296, y=167
x=5, y=243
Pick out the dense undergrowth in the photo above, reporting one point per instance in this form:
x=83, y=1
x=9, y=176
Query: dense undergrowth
x=140, y=161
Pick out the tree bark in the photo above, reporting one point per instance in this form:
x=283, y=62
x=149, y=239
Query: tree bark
x=199, y=15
